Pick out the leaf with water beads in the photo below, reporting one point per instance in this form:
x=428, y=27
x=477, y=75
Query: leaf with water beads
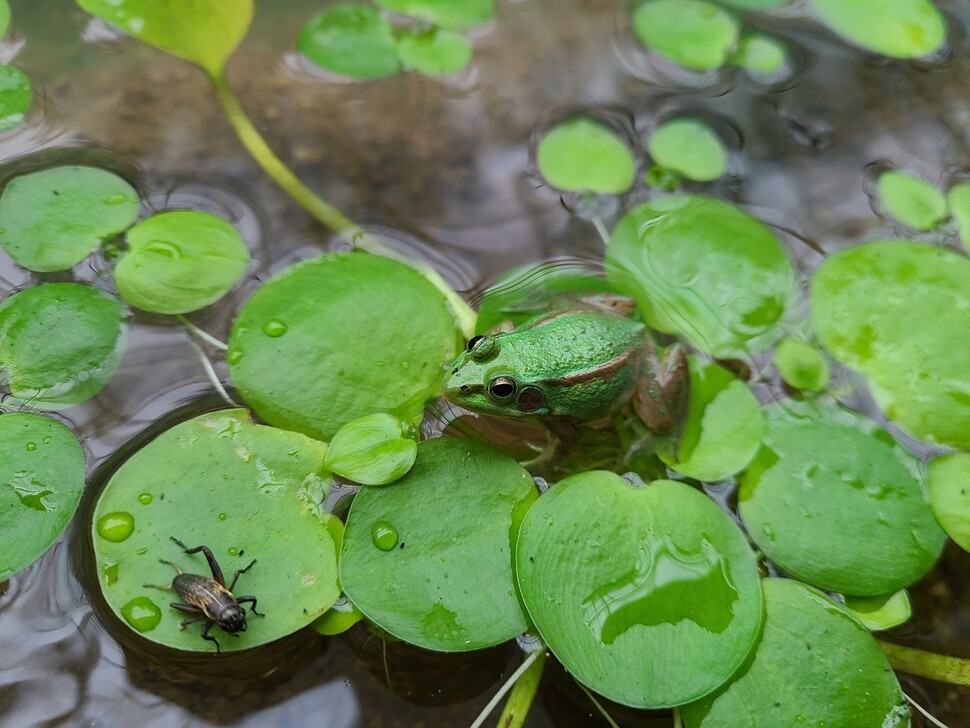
x=372, y=450
x=895, y=28
x=351, y=39
x=60, y=343
x=247, y=492
x=948, y=482
x=695, y=34
x=690, y=147
x=180, y=261
x=649, y=596
x=580, y=155
x=53, y=219
x=429, y=559
x=912, y=201
x=448, y=14
x=434, y=51
x=16, y=96
x=41, y=479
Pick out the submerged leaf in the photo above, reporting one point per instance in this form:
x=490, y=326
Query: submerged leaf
x=581, y=155
x=912, y=201
x=693, y=33
x=351, y=39
x=434, y=52
x=896, y=28
x=801, y=365
x=690, y=147
x=16, y=96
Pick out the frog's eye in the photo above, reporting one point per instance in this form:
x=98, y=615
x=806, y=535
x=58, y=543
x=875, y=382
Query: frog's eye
x=502, y=389
x=482, y=348
x=473, y=342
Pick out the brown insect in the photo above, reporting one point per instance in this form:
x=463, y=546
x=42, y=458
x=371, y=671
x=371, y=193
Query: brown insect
x=209, y=598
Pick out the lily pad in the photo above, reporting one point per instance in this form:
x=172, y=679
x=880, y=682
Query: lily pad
x=896, y=28
x=41, y=480
x=351, y=39
x=429, y=559
x=372, y=450
x=912, y=201
x=247, y=492
x=339, y=337
x=826, y=476
x=203, y=32
x=60, y=343
x=53, y=219
x=898, y=312
x=881, y=612
x=580, y=155
x=704, y=270
x=449, y=14
x=815, y=666
x=958, y=200
x=434, y=51
x=948, y=482
x=801, y=365
x=692, y=33
x=180, y=261
x=689, y=147
x=649, y=596
x=16, y=96
x=723, y=428
x=760, y=53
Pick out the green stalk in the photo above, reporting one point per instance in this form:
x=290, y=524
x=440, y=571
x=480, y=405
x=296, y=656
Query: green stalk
x=324, y=212
x=522, y=695
x=914, y=661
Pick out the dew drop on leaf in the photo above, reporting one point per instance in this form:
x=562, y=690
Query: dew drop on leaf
x=142, y=614
x=145, y=498
x=384, y=534
x=274, y=328
x=116, y=526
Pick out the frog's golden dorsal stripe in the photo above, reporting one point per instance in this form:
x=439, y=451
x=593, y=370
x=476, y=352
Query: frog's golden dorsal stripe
x=604, y=371
x=558, y=314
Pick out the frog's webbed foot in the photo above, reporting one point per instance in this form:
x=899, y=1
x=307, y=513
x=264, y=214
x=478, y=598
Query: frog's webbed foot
x=662, y=398
x=563, y=434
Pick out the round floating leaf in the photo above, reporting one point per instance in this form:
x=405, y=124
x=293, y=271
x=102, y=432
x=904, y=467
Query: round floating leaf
x=203, y=32
x=16, y=95
x=449, y=14
x=351, y=39
x=581, y=155
x=689, y=147
x=825, y=476
x=702, y=269
x=881, y=612
x=180, y=261
x=41, y=479
x=723, y=428
x=429, y=559
x=434, y=51
x=912, y=201
x=650, y=596
x=958, y=200
x=693, y=33
x=60, y=343
x=896, y=28
x=815, y=666
x=801, y=365
x=53, y=219
x=339, y=337
x=948, y=481
x=897, y=312
x=247, y=492
x=4, y=16
x=372, y=450
x=760, y=53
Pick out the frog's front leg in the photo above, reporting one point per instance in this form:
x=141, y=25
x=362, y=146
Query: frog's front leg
x=663, y=392
x=563, y=435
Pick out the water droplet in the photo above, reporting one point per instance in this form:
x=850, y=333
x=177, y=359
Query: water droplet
x=234, y=356
x=768, y=531
x=142, y=614
x=116, y=527
x=274, y=328
x=405, y=365
x=145, y=498
x=31, y=446
x=164, y=249
x=233, y=551
x=110, y=571
x=142, y=551
x=115, y=200
x=223, y=516
x=47, y=440
x=384, y=535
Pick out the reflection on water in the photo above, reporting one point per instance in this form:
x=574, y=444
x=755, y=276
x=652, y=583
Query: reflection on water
x=440, y=169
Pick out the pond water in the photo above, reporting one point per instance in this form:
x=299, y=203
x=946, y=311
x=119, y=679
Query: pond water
x=440, y=169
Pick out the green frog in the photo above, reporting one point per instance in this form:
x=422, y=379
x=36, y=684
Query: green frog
x=572, y=366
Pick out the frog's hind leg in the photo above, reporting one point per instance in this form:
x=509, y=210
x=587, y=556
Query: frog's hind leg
x=661, y=399
x=213, y=564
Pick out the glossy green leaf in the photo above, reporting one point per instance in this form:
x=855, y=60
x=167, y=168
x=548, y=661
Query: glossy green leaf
x=815, y=666
x=760, y=53
x=801, y=365
x=581, y=155
x=881, y=612
x=372, y=450
x=203, y=32
x=434, y=51
x=339, y=337
x=723, y=428
x=16, y=96
x=338, y=619
x=53, y=219
x=704, y=270
x=649, y=596
x=896, y=28
x=690, y=147
x=692, y=33
x=247, y=492
x=180, y=261
x=948, y=482
x=41, y=479
x=897, y=312
x=449, y=14
x=958, y=200
x=826, y=476
x=351, y=39
x=4, y=16
x=429, y=559
x=912, y=201
x=60, y=343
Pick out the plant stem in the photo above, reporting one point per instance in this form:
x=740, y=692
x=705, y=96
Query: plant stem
x=927, y=664
x=524, y=692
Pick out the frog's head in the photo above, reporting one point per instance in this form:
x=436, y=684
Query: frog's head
x=483, y=380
